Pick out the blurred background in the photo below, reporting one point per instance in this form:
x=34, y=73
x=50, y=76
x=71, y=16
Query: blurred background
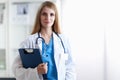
x=93, y=28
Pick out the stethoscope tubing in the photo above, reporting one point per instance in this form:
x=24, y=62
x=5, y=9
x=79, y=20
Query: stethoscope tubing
x=44, y=41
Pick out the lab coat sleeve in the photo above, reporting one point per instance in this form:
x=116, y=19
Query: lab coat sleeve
x=22, y=73
x=70, y=62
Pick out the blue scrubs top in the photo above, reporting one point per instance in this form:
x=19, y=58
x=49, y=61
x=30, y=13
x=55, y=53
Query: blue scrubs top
x=48, y=56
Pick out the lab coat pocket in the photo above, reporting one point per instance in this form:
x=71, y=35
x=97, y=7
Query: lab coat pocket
x=62, y=67
x=64, y=56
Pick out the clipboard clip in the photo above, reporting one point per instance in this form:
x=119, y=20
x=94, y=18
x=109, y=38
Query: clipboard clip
x=29, y=50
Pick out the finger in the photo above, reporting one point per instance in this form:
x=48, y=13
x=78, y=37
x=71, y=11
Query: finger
x=41, y=65
x=46, y=63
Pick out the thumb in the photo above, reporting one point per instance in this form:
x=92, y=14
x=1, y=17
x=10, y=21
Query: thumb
x=46, y=63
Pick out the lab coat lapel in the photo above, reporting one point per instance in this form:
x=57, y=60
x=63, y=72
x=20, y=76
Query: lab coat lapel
x=58, y=50
x=40, y=44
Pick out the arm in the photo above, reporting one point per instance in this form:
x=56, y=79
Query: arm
x=22, y=73
x=70, y=64
x=19, y=71
x=70, y=68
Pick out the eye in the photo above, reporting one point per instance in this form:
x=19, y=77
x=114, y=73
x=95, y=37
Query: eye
x=44, y=14
x=52, y=14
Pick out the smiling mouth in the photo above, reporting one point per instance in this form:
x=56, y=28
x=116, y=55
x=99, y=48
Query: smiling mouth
x=47, y=22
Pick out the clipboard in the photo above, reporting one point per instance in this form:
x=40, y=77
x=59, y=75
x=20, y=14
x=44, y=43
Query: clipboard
x=30, y=57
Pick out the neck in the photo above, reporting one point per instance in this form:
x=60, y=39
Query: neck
x=46, y=33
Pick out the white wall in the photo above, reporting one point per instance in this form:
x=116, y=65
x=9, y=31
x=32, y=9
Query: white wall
x=113, y=39
x=93, y=28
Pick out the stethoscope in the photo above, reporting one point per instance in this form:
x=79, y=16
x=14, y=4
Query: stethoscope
x=39, y=37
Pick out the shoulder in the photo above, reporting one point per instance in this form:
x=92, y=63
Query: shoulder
x=64, y=37
x=32, y=36
x=28, y=40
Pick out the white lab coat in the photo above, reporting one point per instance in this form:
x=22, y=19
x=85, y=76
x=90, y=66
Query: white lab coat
x=64, y=62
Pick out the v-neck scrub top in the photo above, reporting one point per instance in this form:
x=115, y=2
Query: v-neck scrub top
x=48, y=57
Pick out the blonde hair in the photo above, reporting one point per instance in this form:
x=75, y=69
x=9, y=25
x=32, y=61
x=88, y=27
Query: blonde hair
x=37, y=25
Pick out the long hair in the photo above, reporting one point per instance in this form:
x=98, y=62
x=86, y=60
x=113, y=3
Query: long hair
x=37, y=26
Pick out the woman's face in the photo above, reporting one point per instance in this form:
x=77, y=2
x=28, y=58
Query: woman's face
x=47, y=17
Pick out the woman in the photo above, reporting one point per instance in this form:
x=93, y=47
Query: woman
x=55, y=51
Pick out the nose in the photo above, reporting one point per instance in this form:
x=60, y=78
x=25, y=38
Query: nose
x=47, y=16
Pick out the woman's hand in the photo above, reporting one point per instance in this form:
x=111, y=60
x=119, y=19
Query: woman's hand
x=42, y=68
